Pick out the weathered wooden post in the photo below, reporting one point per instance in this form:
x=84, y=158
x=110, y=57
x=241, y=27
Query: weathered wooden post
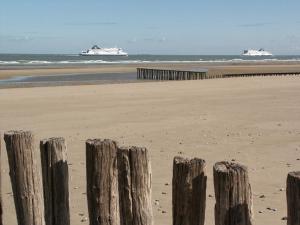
x=135, y=186
x=1, y=212
x=293, y=198
x=189, y=191
x=55, y=181
x=125, y=197
x=102, y=182
x=25, y=177
x=233, y=194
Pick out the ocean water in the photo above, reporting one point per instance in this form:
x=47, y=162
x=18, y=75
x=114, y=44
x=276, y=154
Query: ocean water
x=64, y=59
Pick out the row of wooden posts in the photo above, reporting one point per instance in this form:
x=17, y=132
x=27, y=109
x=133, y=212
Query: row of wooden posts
x=168, y=74
x=118, y=187
x=171, y=74
x=262, y=74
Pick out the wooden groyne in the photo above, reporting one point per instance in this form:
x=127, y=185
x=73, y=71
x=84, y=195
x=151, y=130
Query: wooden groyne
x=198, y=74
x=262, y=74
x=119, y=183
x=169, y=74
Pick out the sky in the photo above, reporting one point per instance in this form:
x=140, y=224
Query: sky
x=186, y=27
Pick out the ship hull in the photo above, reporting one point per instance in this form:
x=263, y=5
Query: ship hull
x=87, y=54
x=257, y=55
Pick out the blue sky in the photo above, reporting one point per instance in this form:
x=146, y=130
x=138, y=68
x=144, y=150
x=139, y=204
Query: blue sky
x=151, y=27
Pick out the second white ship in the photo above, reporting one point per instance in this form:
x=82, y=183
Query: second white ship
x=260, y=52
x=97, y=51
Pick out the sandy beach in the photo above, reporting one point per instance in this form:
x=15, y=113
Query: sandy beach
x=254, y=121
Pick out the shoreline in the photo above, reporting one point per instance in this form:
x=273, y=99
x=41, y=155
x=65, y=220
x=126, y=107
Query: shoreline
x=67, y=83
x=119, y=72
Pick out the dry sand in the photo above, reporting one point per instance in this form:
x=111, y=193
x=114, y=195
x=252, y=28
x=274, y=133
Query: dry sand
x=255, y=121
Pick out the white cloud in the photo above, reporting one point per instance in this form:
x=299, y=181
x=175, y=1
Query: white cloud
x=133, y=40
x=154, y=39
x=16, y=38
x=261, y=24
x=24, y=38
x=107, y=23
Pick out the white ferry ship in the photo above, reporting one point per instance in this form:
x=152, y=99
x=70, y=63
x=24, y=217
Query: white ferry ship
x=260, y=52
x=97, y=51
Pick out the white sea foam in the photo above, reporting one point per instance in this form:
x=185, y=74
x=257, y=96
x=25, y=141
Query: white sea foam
x=8, y=62
x=38, y=62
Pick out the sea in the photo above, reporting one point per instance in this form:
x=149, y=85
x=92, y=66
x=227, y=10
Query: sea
x=75, y=59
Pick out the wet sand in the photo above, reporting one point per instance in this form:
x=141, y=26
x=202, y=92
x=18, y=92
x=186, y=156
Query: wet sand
x=68, y=80
x=255, y=121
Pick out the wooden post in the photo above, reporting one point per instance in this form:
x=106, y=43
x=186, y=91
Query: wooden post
x=102, y=182
x=188, y=191
x=135, y=186
x=55, y=181
x=124, y=179
x=233, y=194
x=25, y=177
x=1, y=212
x=293, y=198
